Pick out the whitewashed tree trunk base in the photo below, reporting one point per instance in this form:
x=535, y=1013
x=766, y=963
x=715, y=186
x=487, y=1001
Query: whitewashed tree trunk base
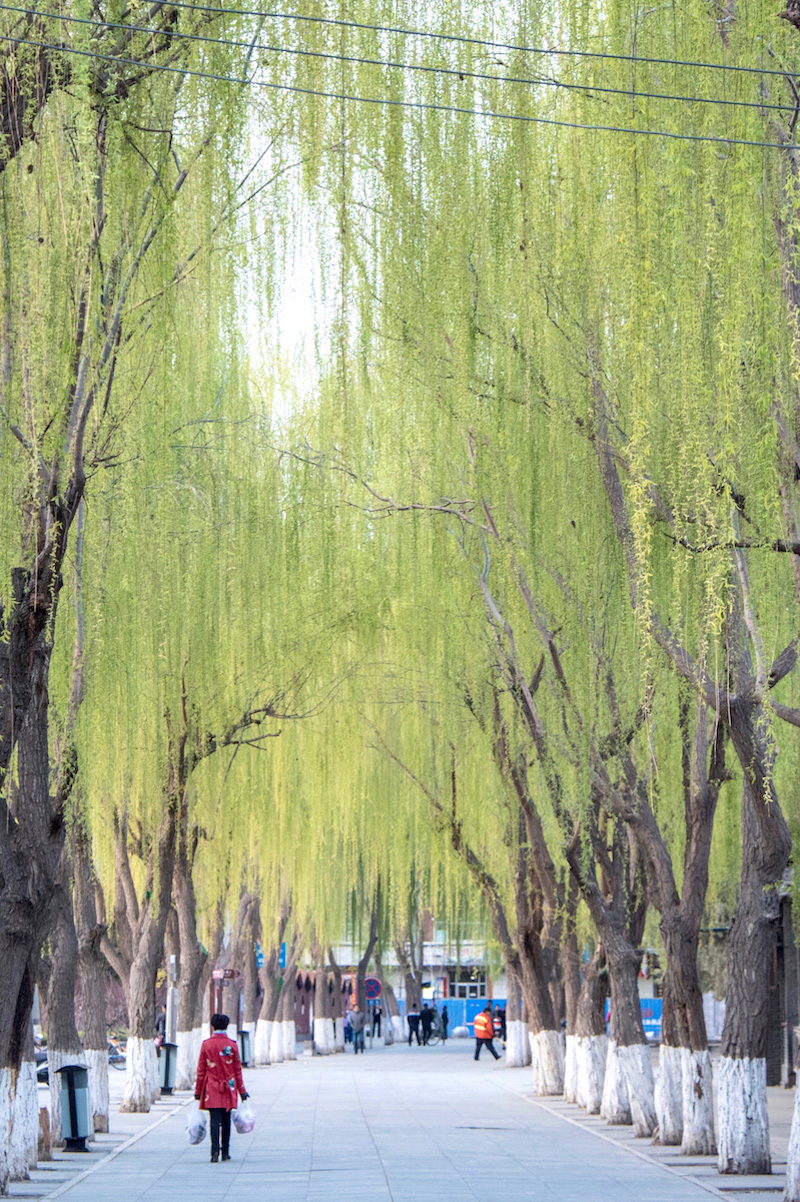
x=141, y=1075
x=399, y=1032
x=518, y=1045
x=289, y=1040
x=97, y=1063
x=324, y=1037
x=338, y=1027
x=571, y=1070
x=56, y=1058
x=793, y=1161
x=276, y=1043
x=669, y=1094
x=591, y=1053
x=742, y=1120
x=263, y=1041
x=615, y=1107
x=186, y=1062
x=23, y=1135
x=698, y=1105
x=641, y=1088
x=547, y=1061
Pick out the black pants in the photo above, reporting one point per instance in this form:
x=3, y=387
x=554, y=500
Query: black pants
x=426, y=1034
x=479, y=1043
x=413, y=1030
x=220, y=1122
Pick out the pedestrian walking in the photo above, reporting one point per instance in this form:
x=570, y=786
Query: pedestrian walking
x=348, y=1030
x=219, y=1078
x=484, y=1032
x=377, y=1014
x=412, y=1019
x=357, y=1021
x=426, y=1022
x=445, y=1017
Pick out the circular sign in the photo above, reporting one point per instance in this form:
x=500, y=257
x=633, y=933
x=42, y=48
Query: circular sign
x=373, y=988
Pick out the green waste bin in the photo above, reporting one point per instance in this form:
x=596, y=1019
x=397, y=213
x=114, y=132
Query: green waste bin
x=244, y=1047
x=76, y=1119
x=167, y=1064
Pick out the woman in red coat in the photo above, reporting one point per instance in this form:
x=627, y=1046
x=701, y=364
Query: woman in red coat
x=219, y=1076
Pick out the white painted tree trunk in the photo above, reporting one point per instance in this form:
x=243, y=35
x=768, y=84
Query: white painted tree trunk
x=338, y=1027
x=547, y=1061
x=141, y=1076
x=23, y=1135
x=56, y=1058
x=591, y=1053
x=793, y=1161
x=186, y=1062
x=629, y=1089
x=669, y=1094
x=571, y=1070
x=324, y=1036
x=518, y=1045
x=263, y=1040
x=7, y=1093
x=742, y=1120
x=698, y=1105
x=388, y=1031
x=615, y=1107
x=97, y=1063
x=276, y=1043
x=289, y=1039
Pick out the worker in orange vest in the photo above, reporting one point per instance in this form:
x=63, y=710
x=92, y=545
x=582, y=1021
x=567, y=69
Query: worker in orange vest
x=484, y=1032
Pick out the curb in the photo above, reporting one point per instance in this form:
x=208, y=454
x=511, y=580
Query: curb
x=68, y=1185
x=651, y=1160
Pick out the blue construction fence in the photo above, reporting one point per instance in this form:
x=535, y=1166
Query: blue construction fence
x=462, y=1011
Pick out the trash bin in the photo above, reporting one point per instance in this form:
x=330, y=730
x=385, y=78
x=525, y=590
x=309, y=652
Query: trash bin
x=244, y=1047
x=76, y=1120
x=167, y=1064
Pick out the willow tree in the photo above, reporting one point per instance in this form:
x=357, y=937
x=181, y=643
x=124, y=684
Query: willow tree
x=552, y=273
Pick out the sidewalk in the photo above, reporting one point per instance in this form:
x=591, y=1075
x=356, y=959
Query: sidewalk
x=400, y=1124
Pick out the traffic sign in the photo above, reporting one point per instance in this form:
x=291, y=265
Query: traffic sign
x=225, y=974
x=372, y=987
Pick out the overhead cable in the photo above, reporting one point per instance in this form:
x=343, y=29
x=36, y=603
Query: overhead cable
x=459, y=73
x=389, y=102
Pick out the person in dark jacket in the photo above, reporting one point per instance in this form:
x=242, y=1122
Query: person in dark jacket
x=426, y=1022
x=445, y=1017
x=412, y=1018
x=357, y=1020
x=219, y=1077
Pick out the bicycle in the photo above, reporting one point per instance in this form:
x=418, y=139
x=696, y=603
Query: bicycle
x=435, y=1035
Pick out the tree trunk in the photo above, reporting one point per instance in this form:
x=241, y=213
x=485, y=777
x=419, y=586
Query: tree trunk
x=591, y=1043
x=23, y=1149
x=324, y=1036
x=92, y=970
x=191, y=964
x=743, y=1123
x=571, y=977
x=337, y=1003
x=63, y=1042
x=518, y=1045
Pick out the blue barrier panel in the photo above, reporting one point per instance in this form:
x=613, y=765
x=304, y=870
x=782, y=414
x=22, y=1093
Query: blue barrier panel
x=651, y=1015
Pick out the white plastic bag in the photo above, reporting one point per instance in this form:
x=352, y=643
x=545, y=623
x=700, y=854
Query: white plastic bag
x=244, y=1120
x=196, y=1125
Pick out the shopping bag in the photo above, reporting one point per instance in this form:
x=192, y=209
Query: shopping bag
x=196, y=1125
x=244, y=1120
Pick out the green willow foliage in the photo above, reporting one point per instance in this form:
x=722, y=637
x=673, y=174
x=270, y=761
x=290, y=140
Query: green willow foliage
x=477, y=279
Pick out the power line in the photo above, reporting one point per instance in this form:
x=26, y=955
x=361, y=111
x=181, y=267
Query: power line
x=418, y=105
x=467, y=41
x=420, y=67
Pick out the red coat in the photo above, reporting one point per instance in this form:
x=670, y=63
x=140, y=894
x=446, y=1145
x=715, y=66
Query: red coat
x=219, y=1073
x=483, y=1026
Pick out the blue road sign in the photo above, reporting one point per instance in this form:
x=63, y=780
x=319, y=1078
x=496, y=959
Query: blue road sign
x=282, y=956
